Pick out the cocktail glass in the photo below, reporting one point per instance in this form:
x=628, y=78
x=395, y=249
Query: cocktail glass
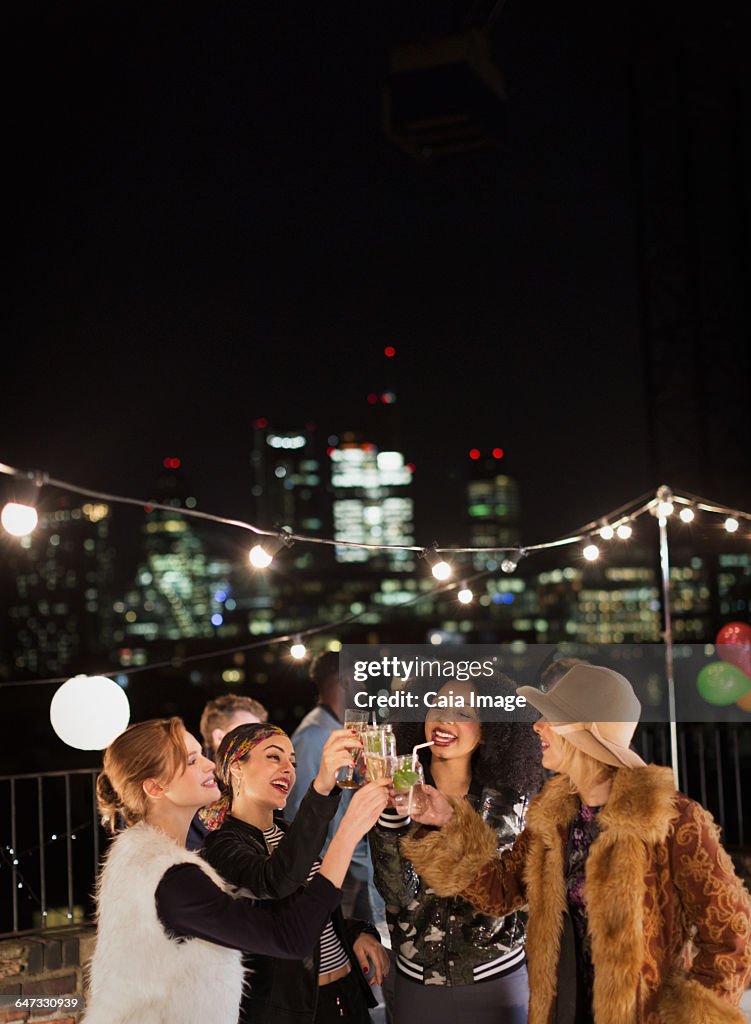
x=407, y=781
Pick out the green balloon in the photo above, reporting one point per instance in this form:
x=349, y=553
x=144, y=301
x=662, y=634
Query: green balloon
x=722, y=684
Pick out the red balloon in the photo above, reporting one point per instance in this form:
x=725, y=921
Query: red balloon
x=734, y=645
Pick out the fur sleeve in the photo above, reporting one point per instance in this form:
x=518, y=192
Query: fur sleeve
x=453, y=859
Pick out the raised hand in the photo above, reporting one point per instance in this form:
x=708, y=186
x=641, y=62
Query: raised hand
x=337, y=753
x=433, y=807
x=365, y=807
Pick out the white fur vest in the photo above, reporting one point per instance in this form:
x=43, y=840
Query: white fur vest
x=138, y=975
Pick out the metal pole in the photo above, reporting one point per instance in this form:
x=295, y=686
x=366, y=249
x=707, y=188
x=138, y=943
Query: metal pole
x=668, y=638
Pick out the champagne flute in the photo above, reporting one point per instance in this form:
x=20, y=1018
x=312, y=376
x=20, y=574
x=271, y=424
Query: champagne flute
x=358, y=722
x=380, y=750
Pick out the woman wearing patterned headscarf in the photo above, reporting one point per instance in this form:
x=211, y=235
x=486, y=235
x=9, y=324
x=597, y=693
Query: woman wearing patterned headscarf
x=270, y=860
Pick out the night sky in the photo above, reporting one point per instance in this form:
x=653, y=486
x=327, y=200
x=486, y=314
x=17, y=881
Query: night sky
x=208, y=225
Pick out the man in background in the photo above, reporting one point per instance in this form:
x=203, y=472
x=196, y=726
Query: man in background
x=225, y=713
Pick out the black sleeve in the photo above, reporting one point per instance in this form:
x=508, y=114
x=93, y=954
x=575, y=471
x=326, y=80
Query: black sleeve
x=189, y=905
x=279, y=874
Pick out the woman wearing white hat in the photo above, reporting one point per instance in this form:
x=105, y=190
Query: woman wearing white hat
x=636, y=915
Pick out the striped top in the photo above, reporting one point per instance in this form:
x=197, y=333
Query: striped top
x=333, y=953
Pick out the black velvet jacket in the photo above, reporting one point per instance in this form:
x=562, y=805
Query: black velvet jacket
x=283, y=991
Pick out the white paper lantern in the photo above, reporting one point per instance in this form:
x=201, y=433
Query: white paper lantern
x=88, y=712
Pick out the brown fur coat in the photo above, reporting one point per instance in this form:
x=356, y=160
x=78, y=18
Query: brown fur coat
x=670, y=922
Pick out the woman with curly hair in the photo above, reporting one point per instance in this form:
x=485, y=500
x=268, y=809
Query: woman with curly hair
x=453, y=963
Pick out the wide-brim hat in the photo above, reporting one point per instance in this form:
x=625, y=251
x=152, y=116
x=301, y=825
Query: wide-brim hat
x=595, y=709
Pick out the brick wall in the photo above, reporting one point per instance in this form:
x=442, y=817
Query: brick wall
x=48, y=963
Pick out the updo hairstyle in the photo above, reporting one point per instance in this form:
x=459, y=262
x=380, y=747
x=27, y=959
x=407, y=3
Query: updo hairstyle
x=148, y=750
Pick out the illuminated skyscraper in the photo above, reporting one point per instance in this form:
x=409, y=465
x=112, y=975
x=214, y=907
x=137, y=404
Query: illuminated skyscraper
x=61, y=613
x=493, y=506
x=288, y=485
x=372, y=503
x=179, y=591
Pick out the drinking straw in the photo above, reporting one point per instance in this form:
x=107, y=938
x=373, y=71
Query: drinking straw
x=419, y=746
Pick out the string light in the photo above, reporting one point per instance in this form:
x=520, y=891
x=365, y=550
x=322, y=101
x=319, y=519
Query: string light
x=687, y=514
x=438, y=566
x=259, y=557
x=731, y=524
x=298, y=650
x=607, y=532
x=591, y=552
x=510, y=562
x=465, y=595
x=19, y=520
x=661, y=504
x=262, y=555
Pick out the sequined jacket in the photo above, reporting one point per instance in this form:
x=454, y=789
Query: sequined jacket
x=445, y=941
x=669, y=921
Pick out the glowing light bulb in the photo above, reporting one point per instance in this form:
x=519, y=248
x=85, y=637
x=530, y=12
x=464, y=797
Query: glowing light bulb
x=19, y=520
x=731, y=524
x=441, y=570
x=298, y=650
x=259, y=557
x=664, y=509
x=687, y=515
x=511, y=560
x=438, y=566
x=591, y=552
x=607, y=532
x=624, y=531
x=465, y=596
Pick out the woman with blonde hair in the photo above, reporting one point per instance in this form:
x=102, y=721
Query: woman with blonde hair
x=170, y=929
x=636, y=915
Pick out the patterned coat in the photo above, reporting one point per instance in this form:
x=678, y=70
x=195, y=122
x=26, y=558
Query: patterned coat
x=669, y=920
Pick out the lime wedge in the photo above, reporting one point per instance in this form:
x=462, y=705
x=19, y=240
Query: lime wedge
x=404, y=778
